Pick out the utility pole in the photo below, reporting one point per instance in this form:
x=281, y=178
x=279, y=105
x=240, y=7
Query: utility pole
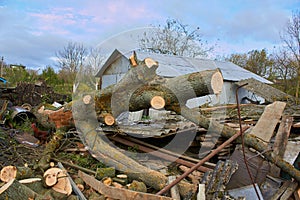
x=1, y=70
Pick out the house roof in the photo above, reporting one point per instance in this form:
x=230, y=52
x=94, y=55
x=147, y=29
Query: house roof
x=171, y=66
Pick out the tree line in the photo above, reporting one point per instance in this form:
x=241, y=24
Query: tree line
x=282, y=66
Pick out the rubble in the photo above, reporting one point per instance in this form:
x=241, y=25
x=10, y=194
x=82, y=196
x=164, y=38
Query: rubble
x=270, y=147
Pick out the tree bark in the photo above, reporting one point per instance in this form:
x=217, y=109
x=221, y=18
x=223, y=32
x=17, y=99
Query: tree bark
x=130, y=95
x=101, y=148
x=15, y=190
x=49, y=150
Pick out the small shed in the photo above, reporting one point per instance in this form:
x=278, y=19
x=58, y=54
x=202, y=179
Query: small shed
x=170, y=66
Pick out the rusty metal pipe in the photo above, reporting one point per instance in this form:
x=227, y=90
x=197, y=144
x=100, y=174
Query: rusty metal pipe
x=207, y=158
x=158, y=154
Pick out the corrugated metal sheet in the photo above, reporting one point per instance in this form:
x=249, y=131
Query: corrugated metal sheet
x=171, y=66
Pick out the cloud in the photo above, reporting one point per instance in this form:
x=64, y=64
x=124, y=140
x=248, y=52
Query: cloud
x=32, y=31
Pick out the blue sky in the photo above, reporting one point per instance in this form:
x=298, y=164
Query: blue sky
x=31, y=31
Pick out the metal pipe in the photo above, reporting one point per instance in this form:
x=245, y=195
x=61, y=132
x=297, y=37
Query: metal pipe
x=207, y=158
x=242, y=136
x=159, y=154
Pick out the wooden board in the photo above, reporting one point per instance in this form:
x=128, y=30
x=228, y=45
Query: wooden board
x=281, y=141
x=269, y=93
x=266, y=124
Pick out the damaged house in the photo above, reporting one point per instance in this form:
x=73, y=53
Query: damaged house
x=118, y=64
x=188, y=153
x=170, y=66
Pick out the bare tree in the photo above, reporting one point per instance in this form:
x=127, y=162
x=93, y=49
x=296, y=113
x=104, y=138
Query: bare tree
x=175, y=38
x=291, y=39
x=94, y=60
x=285, y=69
x=71, y=58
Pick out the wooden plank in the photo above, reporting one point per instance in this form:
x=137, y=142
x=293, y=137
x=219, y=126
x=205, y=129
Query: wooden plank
x=282, y=135
x=285, y=191
x=289, y=191
x=266, y=124
x=269, y=93
x=281, y=141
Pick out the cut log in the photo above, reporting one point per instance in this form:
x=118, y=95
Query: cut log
x=50, y=176
x=77, y=187
x=149, y=62
x=157, y=102
x=133, y=59
x=8, y=173
x=117, y=193
x=15, y=190
x=58, y=180
x=134, y=95
x=131, y=81
x=107, y=119
x=87, y=99
x=63, y=184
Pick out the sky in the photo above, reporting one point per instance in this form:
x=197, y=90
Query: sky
x=33, y=31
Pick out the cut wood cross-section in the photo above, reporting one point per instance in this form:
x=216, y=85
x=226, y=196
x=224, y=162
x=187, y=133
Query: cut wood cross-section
x=8, y=173
x=157, y=102
x=141, y=88
x=58, y=180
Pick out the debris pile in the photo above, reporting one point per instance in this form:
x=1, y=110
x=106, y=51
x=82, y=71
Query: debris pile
x=79, y=150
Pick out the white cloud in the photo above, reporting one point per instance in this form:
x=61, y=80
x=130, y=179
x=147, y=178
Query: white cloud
x=31, y=32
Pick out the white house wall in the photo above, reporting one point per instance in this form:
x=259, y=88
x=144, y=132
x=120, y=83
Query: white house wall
x=227, y=96
x=115, y=72
x=108, y=80
x=120, y=66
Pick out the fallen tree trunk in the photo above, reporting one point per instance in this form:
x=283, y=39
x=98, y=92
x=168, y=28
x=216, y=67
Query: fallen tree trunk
x=174, y=91
x=101, y=148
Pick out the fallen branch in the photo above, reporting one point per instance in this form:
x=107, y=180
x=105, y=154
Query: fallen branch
x=75, y=166
x=50, y=148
